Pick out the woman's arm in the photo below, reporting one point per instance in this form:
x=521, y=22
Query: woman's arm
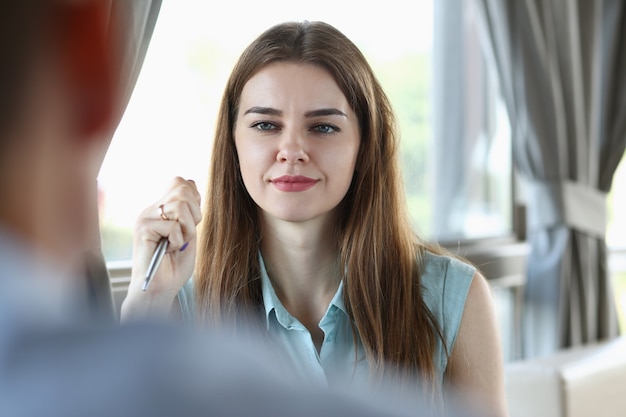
x=476, y=367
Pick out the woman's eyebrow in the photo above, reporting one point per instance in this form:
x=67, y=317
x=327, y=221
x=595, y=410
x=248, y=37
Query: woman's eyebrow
x=325, y=112
x=264, y=110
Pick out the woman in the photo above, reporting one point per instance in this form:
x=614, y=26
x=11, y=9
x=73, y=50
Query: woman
x=305, y=227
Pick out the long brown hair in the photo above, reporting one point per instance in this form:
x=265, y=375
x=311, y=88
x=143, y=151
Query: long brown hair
x=378, y=249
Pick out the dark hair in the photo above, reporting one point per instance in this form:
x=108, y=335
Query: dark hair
x=21, y=24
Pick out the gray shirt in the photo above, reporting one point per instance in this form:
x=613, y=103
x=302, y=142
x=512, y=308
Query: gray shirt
x=57, y=360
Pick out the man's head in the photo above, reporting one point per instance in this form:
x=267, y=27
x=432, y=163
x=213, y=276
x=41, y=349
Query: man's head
x=56, y=112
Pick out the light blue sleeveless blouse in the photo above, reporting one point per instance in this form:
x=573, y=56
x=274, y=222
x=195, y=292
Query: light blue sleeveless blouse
x=445, y=280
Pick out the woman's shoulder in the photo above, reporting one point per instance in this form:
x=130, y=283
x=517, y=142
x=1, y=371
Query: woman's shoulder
x=445, y=282
x=445, y=272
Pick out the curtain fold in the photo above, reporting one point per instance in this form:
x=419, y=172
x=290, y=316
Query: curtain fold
x=130, y=25
x=562, y=70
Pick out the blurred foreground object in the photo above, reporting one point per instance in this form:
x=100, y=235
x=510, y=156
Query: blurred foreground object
x=59, y=74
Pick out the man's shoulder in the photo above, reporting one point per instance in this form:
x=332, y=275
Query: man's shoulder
x=98, y=369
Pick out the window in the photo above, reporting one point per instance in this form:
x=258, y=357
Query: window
x=454, y=130
x=471, y=172
x=616, y=241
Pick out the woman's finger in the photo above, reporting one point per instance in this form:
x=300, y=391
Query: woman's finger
x=182, y=191
x=181, y=212
x=187, y=188
x=153, y=230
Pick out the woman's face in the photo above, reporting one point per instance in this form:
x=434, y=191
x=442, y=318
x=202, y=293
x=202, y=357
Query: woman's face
x=297, y=139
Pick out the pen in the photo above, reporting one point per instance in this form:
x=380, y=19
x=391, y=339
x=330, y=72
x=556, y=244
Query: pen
x=156, y=261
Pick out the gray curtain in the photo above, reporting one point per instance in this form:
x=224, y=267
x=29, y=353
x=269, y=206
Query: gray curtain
x=562, y=70
x=131, y=23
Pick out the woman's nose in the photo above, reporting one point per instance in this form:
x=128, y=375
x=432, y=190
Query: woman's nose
x=291, y=149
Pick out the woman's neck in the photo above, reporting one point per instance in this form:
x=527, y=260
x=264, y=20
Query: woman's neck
x=302, y=262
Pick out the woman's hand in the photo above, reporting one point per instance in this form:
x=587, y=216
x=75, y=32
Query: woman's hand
x=175, y=217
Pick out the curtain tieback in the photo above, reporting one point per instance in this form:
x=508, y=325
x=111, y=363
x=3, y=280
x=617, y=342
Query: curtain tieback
x=568, y=203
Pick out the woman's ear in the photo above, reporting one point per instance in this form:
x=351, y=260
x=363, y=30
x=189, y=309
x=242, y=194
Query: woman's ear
x=89, y=57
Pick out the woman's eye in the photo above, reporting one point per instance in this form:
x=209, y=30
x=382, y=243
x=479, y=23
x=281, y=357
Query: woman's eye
x=264, y=126
x=325, y=129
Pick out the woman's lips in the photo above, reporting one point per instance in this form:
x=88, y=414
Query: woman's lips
x=293, y=183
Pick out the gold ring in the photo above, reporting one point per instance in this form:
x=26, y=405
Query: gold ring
x=163, y=215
